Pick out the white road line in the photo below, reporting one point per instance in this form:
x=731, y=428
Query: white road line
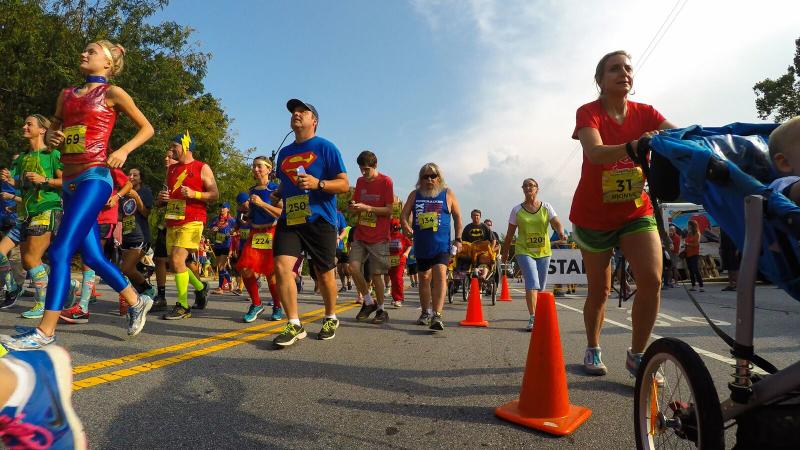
x=712, y=355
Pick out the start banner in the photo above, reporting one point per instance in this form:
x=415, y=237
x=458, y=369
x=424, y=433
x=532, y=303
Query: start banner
x=566, y=267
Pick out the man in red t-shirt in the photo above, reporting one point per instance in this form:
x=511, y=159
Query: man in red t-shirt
x=372, y=200
x=190, y=185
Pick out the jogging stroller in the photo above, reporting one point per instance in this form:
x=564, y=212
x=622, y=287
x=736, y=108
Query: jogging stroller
x=724, y=169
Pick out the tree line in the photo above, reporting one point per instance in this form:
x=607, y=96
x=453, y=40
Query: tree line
x=40, y=46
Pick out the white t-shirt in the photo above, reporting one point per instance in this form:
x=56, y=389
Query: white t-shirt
x=551, y=213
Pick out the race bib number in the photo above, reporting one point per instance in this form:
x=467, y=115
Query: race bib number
x=428, y=221
x=623, y=185
x=244, y=233
x=176, y=210
x=534, y=241
x=297, y=209
x=42, y=219
x=394, y=261
x=219, y=237
x=262, y=241
x=368, y=219
x=75, y=139
x=128, y=224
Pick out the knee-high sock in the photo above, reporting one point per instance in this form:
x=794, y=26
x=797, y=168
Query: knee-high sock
x=221, y=275
x=39, y=276
x=273, y=291
x=196, y=283
x=86, y=289
x=182, y=284
x=228, y=276
x=251, y=285
x=6, y=277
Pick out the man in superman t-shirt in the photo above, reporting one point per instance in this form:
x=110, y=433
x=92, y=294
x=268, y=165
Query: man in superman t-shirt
x=311, y=172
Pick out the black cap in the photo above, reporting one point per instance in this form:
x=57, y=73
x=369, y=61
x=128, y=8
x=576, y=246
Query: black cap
x=294, y=103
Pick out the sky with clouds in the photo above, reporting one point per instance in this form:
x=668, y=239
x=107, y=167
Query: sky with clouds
x=486, y=89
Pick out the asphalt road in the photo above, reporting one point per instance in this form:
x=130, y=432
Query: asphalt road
x=214, y=382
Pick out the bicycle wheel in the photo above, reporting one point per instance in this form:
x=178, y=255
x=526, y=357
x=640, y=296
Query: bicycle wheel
x=449, y=291
x=683, y=413
x=494, y=292
x=465, y=287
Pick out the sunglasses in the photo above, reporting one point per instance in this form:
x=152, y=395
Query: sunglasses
x=430, y=176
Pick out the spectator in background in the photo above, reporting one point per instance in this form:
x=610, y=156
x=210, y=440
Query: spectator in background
x=730, y=256
x=692, y=248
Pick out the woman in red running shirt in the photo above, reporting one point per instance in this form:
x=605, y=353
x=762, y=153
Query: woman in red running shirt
x=610, y=208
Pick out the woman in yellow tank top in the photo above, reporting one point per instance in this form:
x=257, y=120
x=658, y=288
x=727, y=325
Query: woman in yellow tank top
x=529, y=220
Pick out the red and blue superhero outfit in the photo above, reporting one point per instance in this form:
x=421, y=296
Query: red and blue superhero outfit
x=87, y=124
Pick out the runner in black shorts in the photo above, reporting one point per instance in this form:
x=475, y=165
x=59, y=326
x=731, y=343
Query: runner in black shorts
x=311, y=172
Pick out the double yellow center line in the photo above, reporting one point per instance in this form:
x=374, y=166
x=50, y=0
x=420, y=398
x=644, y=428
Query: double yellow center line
x=225, y=340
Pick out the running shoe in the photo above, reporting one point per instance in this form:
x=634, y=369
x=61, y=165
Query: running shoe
x=178, y=312
x=46, y=418
x=277, y=314
x=289, y=335
x=593, y=363
x=529, y=326
x=137, y=315
x=75, y=315
x=201, y=297
x=387, y=292
x=397, y=304
x=424, y=318
x=381, y=316
x=252, y=313
x=702, y=290
x=634, y=360
x=32, y=339
x=365, y=312
x=11, y=298
x=218, y=291
x=342, y=289
x=349, y=286
x=159, y=304
x=437, y=322
x=34, y=313
x=237, y=291
x=329, y=326
x=692, y=289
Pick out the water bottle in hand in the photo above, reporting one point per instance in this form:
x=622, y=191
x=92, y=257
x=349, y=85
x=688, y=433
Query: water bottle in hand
x=302, y=171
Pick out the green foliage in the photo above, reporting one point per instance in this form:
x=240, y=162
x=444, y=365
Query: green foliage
x=342, y=202
x=41, y=40
x=780, y=98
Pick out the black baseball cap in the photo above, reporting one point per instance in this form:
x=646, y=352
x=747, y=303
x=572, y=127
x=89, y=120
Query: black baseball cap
x=294, y=103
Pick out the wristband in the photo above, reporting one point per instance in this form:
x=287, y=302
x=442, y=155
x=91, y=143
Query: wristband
x=629, y=151
x=198, y=195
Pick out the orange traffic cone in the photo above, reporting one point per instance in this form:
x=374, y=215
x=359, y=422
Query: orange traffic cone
x=474, y=309
x=505, y=295
x=543, y=401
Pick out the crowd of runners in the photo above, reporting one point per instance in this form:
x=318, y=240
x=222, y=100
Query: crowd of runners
x=69, y=194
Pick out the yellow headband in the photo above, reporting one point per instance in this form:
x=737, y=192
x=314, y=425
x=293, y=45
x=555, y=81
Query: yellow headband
x=106, y=52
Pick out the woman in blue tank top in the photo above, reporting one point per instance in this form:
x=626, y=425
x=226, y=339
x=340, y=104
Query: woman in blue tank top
x=428, y=214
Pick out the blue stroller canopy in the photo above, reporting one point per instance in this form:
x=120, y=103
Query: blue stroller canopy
x=717, y=168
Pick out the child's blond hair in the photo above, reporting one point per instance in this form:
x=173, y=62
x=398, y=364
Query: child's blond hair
x=785, y=137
